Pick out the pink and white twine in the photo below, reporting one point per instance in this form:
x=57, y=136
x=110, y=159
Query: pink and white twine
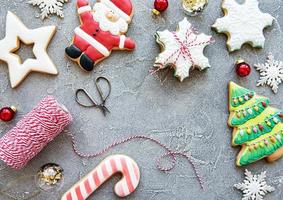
x=46, y=121
x=33, y=132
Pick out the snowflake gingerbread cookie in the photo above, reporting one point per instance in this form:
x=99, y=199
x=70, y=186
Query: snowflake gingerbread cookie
x=254, y=187
x=49, y=7
x=16, y=31
x=271, y=73
x=101, y=31
x=182, y=50
x=243, y=23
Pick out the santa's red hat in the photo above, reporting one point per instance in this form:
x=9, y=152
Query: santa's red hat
x=123, y=8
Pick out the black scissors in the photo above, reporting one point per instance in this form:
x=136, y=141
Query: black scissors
x=103, y=98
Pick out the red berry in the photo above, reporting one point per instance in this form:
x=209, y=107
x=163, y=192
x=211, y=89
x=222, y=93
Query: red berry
x=161, y=5
x=243, y=69
x=7, y=114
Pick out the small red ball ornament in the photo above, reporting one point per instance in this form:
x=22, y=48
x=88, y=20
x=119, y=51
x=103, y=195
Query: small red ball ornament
x=160, y=6
x=243, y=69
x=7, y=113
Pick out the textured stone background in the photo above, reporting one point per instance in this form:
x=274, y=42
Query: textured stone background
x=189, y=116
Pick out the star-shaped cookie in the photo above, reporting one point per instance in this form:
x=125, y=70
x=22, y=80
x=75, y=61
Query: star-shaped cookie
x=182, y=50
x=243, y=23
x=16, y=31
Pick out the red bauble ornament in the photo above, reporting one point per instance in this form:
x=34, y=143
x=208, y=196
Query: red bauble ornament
x=7, y=113
x=160, y=6
x=243, y=69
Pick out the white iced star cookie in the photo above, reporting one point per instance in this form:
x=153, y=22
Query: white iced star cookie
x=16, y=31
x=182, y=50
x=243, y=23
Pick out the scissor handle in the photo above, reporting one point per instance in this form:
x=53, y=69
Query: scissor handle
x=94, y=104
x=103, y=98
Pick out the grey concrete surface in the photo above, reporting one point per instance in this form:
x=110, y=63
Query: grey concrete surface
x=189, y=116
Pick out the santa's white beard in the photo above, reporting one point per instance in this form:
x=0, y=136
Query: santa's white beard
x=115, y=28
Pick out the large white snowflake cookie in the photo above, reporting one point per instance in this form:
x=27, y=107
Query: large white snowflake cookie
x=254, y=187
x=271, y=73
x=182, y=50
x=243, y=23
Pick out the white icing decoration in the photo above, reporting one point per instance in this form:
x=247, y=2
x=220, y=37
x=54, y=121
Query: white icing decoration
x=40, y=37
x=115, y=28
x=84, y=9
x=102, y=49
x=244, y=23
x=254, y=187
x=117, y=10
x=271, y=73
x=49, y=7
x=186, y=57
x=122, y=41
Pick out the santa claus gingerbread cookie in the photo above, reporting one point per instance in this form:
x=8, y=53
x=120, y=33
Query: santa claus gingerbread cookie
x=102, y=30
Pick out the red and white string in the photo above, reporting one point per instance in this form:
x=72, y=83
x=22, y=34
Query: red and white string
x=169, y=153
x=33, y=132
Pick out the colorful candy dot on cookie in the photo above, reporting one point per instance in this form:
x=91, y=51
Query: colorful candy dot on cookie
x=194, y=7
x=246, y=133
x=243, y=69
x=16, y=31
x=160, y=6
x=243, y=23
x=102, y=30
x=7, y=113
x=182, y=50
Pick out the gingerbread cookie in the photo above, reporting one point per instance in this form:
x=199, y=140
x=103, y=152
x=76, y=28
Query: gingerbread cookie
x=104, y=171
x=16, y=31
x=101, y=31
x=243, y=23
x=182, y=50
x=258, y=128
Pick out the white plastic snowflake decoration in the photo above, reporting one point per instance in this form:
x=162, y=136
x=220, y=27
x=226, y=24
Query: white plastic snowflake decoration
x=182, y=49
x=254, y=187
x=271, y=73
x=49, y=7
x=243, y=23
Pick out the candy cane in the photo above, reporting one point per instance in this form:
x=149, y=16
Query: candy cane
x=107, y=168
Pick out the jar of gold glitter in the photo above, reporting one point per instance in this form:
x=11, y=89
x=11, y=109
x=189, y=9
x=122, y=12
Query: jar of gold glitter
x=194, y=7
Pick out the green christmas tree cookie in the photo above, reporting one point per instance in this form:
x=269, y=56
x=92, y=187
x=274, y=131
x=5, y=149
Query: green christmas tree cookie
x=258, y=127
